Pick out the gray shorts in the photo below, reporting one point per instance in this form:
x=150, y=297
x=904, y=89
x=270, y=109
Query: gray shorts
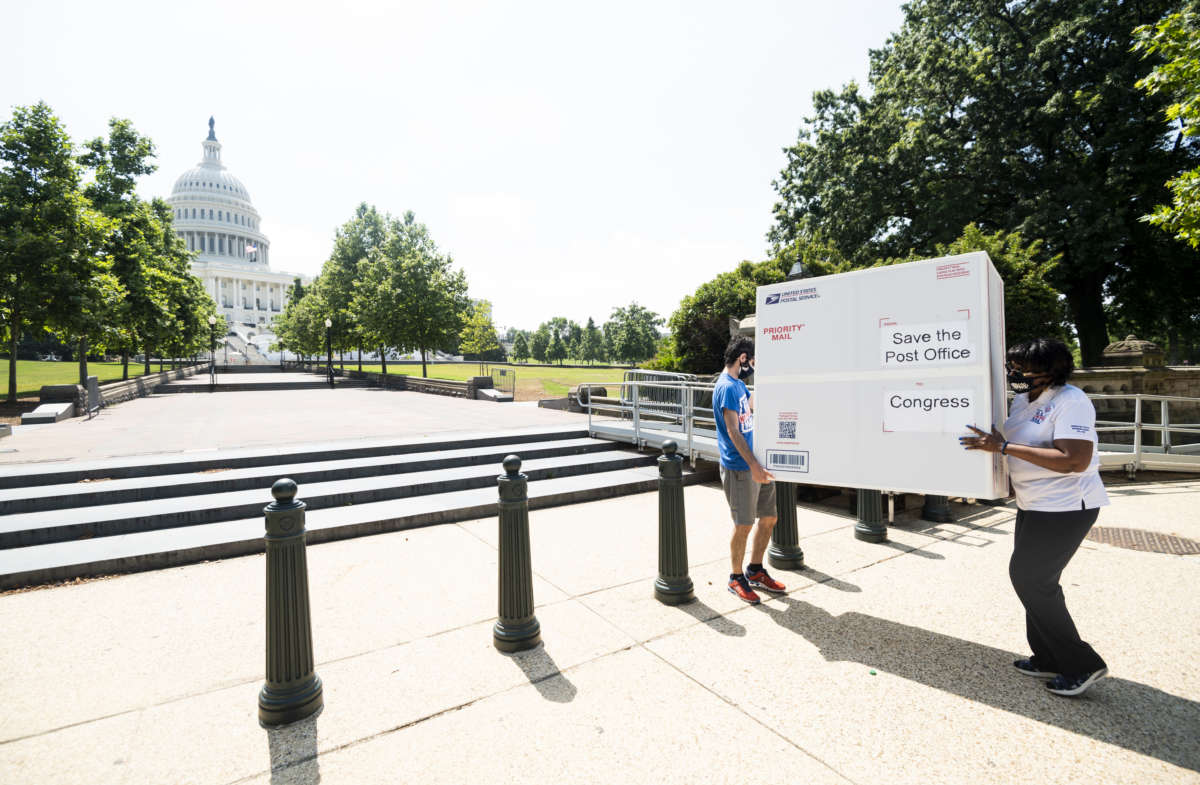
x=747, y=499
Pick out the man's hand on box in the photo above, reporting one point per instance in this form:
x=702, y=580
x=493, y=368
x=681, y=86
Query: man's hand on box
x=760, y=475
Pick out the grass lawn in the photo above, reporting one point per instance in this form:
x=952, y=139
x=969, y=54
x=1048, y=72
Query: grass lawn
x=533, y=382
x=32, y=374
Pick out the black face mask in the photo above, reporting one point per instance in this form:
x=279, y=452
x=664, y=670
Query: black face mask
x=1020, y=383
x=745, y=373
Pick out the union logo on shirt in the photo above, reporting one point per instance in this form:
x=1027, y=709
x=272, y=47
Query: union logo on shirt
x=745, y=416
x=1041, y=414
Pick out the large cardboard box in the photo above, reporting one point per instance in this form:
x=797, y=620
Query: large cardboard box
x=866, y=379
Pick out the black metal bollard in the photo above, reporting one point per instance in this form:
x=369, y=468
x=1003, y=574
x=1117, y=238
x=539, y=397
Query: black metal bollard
x=870, y=527
x=293, y=690
x=673, y=585
x=936, y=509
x=785, y=552
x=517, y=628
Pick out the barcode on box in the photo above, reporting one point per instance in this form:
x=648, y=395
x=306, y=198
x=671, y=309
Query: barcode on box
x=788, y=460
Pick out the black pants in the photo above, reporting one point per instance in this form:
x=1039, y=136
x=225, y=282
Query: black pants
x=1043, y=545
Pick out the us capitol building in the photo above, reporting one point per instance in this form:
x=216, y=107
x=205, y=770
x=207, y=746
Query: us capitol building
x=214, y=216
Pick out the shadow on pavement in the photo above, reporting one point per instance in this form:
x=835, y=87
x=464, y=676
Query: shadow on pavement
x=713, y=618
x=543, y=673
x=914, y=551
x=293, y=751
x=828, y=580
x=1116, y=711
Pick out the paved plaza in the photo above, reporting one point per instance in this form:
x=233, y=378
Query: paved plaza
x=883, y=663
x=163, y=424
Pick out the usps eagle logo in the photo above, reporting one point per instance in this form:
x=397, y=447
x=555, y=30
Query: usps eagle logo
x=772, y=299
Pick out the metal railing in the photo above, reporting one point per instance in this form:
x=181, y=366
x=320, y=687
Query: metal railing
x=682, y=410
x=504, y=380
x=1138, y=455
x=657, y=410
x=654, y=392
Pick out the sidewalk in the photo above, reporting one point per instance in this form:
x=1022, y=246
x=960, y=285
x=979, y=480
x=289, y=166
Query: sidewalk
x=885, y=664
x=229, y=420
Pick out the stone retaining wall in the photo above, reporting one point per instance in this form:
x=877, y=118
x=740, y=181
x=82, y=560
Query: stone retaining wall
x=401, y=381
x=141, y=386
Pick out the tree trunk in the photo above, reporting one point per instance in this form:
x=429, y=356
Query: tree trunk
x=1086, y=303
x=341, y=360
x=383, y=360
x=83, y=361
x=125, y=364
x=15, y=330
x=360, y=359
x=146, y=359
x=424, y=372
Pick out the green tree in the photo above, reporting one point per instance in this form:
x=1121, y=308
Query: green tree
x=520, y=347
x=591, y=345
x=1177, y=40
x=188, y=304
x=296, y=290
x=301, y=326
x=1032, y=307
x=407, y=295
x=700, y=326
x=539, y=343
x=1019, y=116
x=557, y=348
x=353, y=243
x=478, y=334
x=635, y=332
x=609, y=343
x=664, y=358
x=574, y=340
x=146, y=262
x=47, y=262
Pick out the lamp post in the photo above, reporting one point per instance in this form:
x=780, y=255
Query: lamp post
x=329, y=352
x=212, y=352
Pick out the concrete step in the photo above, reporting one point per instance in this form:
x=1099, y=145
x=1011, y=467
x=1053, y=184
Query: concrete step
x=105, y=520
x=246, y=369
x=272, y=386
x=91, y=493
x=153, y=465
x=48, y=413
x=46, y=563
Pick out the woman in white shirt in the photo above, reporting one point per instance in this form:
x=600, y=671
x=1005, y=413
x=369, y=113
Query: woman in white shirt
x=1051, y=445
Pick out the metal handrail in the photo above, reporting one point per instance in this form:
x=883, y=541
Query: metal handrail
x=681, y=411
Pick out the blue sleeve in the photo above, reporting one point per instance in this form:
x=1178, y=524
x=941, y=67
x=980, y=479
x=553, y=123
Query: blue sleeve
x=724, y=398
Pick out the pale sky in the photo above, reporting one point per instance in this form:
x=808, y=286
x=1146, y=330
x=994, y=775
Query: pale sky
x=571, y=158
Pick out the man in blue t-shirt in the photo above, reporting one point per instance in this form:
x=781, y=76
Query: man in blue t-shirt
x=749, y=488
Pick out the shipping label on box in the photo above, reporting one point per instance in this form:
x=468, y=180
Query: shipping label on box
x=866, y=379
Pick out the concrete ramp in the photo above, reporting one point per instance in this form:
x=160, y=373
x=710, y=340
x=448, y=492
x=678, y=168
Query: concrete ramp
x=48, y=413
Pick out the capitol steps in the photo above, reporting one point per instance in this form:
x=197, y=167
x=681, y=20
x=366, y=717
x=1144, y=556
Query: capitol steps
x=91, y=532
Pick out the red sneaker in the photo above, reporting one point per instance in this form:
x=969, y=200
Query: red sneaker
x=760, y=580
x=743, y=592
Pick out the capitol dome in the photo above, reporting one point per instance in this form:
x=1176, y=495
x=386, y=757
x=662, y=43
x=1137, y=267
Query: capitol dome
x=213, y=214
